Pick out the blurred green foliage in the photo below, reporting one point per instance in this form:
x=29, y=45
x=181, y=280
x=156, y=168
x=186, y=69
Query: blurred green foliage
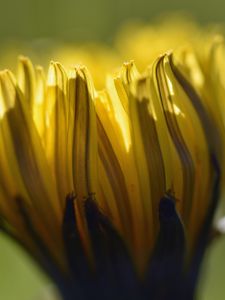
x=211, y=284
x=87, y=20
x=20, y=279
x=91, y=19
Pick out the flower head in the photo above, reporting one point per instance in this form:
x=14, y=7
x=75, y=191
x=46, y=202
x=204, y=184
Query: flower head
x=114, y=191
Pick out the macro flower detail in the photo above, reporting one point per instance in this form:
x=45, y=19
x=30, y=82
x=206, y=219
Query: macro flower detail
x=114, y=191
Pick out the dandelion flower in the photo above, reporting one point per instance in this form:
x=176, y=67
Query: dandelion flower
x=113, y=192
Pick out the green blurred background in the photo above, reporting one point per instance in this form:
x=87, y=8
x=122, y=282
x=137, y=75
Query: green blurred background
x=34, y=21
x=90, y=19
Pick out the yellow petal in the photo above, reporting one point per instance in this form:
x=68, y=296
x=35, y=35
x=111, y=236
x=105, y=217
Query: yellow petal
x=39, y=104
x=84, y=159
x=189, y=137
x=26, y=80
x=56, y=139
x=30, y=176
x=83, y=144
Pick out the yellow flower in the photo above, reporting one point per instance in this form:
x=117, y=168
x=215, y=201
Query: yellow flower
x=79, y=163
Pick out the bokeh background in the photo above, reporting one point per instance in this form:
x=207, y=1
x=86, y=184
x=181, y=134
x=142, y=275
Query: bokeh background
x=35, y=23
